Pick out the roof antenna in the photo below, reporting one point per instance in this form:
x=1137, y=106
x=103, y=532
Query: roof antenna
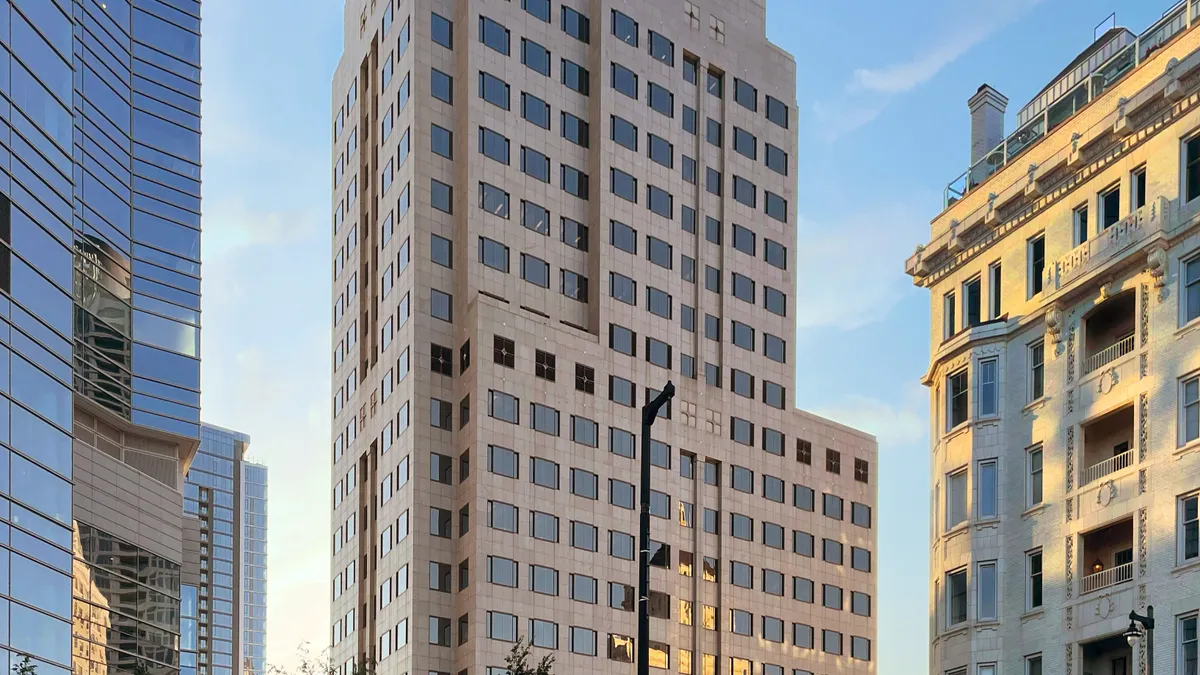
x=1108, y=23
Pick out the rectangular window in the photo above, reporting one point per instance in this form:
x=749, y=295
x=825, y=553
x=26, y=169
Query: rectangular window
x=1188, y=657
x=776, y=159
x=1033, y=665
x=1079, y=217
x=1033, y=580
x=575, y=24
x=1037, y=370
x=660, y=99
x=1033, y=477
x=535, y=164
x=949, y=316
x=1110, y=207
x=957, y=393
x=994, y=298
x=662, y=49
x=623, y=80
x=540, y=9
x=972, y=303
x=660, y=150
x=574, y=129
x=442, y=86
x=956, y=598
x=986, y=489
x=535, y=57
x=1188, y=534
x=574, y=182
x=493, y=90
x=493, y=35
x=956, y=499
x=1137, y=184
x=989, y=394
x=535, y=110
x=624, y=28
x=574, y=76
x=493, y=145
x=985, y=590
x=1035, y=253
x=1190, y=282
x=442, y=31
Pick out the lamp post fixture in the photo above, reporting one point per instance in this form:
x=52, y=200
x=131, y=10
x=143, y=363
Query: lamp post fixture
x=649, y=414
x=1134, y=634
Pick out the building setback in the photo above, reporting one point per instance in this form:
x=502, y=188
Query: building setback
x=225, y=556
x=544, y=211
x=1065, y=284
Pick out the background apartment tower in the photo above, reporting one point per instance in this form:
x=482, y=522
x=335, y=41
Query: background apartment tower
x=1065, y=282
x=225, y=556
x=544, y=210
x=99, y=273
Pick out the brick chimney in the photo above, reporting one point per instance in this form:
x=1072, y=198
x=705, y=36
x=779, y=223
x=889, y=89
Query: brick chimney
x=987, y=121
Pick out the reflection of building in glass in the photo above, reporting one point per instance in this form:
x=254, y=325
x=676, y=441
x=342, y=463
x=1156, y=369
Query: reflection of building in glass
x=126, y=608
x=225, y=527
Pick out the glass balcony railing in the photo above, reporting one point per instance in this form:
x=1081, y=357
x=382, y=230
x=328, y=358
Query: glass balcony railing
x=1051, y=110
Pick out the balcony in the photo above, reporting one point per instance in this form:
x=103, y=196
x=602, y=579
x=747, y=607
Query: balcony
x=1112, y=243
x=1108, y=331
x=1105, y=65
x=1106, y=557
x=1107, y=445
x=1107, y=656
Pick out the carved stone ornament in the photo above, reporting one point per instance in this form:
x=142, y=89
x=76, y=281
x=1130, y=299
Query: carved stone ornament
x=1070, y=658
x=1070, y=565
x=1106, y=289
x=1105, y=606
x=1142, y=542
x=1143, y=425
x=1071, y=354
x=1075, y=137
x=1070, y=457
x=1156, y=265
x=1106, y=493
x=1070, y=509
x=956, y=243
x=1054, y=319
x=1107, y=380
x=1142, y=482
x=1070, y=401
x=1145, y=314
x=1143, y=365
x=1031, y=171
x=1070, y=617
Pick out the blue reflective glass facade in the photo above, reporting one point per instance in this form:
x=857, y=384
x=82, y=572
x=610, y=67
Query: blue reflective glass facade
x=228, y=497
x=99, y=271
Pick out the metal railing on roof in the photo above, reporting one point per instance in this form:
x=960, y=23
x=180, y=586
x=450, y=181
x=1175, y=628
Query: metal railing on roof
x=1073, y=91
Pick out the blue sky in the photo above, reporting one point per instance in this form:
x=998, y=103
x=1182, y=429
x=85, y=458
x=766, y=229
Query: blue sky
x=883, y=127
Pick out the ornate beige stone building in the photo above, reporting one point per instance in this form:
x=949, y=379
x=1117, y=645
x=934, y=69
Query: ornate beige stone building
x=544, y=211
x=1064, y=274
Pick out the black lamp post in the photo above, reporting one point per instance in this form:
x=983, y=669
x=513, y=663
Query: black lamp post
x=1134, y=634
x=649, y=414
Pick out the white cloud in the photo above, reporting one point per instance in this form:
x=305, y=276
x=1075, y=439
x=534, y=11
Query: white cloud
x=850, y=272
x=870, y=90
x=895, y=425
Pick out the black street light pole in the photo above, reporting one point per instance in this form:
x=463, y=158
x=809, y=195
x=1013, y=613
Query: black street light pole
x=1134, y=634
x=649, y=414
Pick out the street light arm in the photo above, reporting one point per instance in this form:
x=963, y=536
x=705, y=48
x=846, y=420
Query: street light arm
x=650, y=410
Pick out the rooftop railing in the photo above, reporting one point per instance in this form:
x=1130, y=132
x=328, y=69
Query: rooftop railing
x=1073, y=91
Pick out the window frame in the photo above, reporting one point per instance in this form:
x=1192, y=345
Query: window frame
x=1181, y=525
x=1030, y=472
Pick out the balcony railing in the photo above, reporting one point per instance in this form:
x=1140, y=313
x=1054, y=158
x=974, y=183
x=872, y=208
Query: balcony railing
x=1101, y=469
x=1110, y=577
x=1109, y=354
x=1063, y=98
x=1109, y=244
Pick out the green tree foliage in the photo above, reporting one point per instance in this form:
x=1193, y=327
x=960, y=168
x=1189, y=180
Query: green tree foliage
x=517, y=660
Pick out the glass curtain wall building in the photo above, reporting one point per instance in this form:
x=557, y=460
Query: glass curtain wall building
x=99, y=344
x=225, y=503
